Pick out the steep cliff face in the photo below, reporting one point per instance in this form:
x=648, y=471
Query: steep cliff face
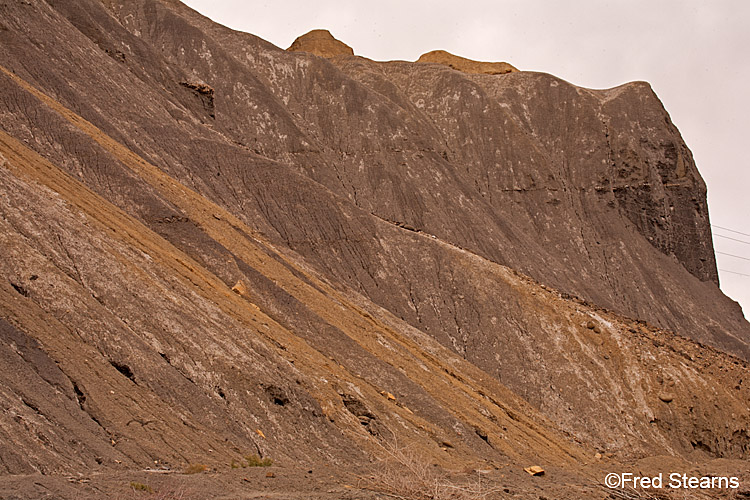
x=216, y=247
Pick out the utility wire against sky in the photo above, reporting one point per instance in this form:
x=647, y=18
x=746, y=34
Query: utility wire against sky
x=733, y=239
x=734, y=272
x=729, y=238
x=730, y=230
x=729, y=254
x=732, y=255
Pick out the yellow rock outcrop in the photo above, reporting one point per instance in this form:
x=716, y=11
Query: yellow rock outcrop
x=321, y=43
x=466, y=65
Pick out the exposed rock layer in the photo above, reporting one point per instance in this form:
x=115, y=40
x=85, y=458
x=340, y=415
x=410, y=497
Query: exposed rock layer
x=321, y=43
x=466, y=65
x=397, y=228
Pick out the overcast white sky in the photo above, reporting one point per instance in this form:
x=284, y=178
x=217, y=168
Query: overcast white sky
x=694, y=53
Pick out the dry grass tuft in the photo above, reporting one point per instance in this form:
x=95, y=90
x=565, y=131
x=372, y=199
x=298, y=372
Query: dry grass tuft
x=168, y=492
x=141, y=487
x=195, y=469
x=256, y=461
x=251, y=461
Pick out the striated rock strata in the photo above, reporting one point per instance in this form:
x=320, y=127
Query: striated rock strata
x=215, y=248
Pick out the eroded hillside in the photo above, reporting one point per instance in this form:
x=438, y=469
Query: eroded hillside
x=215, y=247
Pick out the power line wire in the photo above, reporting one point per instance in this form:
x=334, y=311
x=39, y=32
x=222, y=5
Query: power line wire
x=733, y=239
x=734, y=272
x=732, y=255
x=730, y=230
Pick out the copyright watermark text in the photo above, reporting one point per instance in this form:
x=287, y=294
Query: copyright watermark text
x=675, y=480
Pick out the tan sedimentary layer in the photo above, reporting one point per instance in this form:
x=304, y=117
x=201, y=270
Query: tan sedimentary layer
x=466, y=65
x=321, y=43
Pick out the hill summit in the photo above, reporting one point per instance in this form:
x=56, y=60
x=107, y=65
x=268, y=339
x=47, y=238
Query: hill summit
x=321, y=43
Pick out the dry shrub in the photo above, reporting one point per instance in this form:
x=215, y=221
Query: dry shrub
x=677, y=494
x=141, y=487
x=403, y=473
x=195, y=469
x=168, y=490
x=256, y=461
x=631, y=494
x=172, y=492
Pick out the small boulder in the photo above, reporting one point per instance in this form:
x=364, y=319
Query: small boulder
x=388, y=395
x=239, y=288
x=666, y=397
x=534, y=470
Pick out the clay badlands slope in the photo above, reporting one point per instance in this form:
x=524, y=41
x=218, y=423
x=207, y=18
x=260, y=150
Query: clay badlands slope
x=493, y=270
